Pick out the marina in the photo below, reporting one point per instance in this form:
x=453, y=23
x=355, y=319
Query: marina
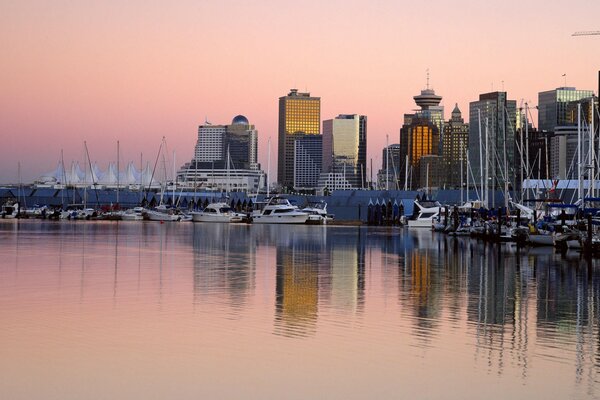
x=120, y=310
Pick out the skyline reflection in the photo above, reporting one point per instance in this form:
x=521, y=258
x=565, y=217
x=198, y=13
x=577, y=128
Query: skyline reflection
x=508, y=310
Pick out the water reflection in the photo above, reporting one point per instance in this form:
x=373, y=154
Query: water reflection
x=515, y=313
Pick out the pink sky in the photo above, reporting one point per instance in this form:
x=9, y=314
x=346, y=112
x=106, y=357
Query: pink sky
x=138, y=70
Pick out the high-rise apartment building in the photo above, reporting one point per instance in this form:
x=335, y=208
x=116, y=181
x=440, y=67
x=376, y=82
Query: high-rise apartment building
x=345, y=148
x=495, y=142
x=299, y=113
x=455, y=142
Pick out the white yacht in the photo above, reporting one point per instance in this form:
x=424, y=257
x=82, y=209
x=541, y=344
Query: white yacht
x=278, y=210
x=133, y=214
x=162, y=213
x=426, y=214
x=10, y=210
x=317, y=213
x=218, y=212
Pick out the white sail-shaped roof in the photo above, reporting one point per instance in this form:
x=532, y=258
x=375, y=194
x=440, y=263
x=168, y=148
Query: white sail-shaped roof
x=130, y=176
x=110, y=177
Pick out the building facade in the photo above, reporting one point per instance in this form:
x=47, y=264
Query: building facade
x=417, y=139
x=494, y=144
x=553, y=106
x=299, y=113
x=308, y=160
x=345, y=148
x=389, y=174
x=455, y=146
x=225, y=158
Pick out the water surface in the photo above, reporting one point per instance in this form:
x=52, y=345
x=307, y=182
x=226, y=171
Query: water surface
x=147, y=310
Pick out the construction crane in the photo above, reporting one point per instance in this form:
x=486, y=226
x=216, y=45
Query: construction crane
x=586, y=33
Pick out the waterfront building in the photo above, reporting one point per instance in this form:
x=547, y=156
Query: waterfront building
x=429, y=102
x=345, y=148
x=497, y=117
x=419, y=138
x=299, y=113
x=225, y=159
x=389, y=174
x=209, y=146
x=455, y=145
x=308, y=159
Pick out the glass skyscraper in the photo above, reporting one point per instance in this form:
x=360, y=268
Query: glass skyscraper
x=299, y=113
x=554, y=109
x=345, y=147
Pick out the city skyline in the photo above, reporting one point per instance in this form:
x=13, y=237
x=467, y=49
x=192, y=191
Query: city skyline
x=101, y=72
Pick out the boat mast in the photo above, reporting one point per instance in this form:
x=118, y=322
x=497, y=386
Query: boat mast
x=268, y=164
x=406, y=175
x=486, y=183
x=579, y=166
x=480, y=156
x=504, y=120
x=118, y=180
x=387, y=162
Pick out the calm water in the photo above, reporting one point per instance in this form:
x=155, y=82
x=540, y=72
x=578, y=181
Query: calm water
x=104, y=310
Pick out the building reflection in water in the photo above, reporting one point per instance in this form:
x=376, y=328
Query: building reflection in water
x=316, y=269
x=224, y=262
x=511, y=297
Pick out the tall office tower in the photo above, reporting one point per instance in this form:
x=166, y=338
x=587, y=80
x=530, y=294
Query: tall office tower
x=389, y=174
x=455, y=144
x=498, y=122
x=553, y=106
x=417, y=139
x=345, y=148
x=209, y=146
x=557, y=118
x=299, y=113
x=241, y=141
x=308, y=160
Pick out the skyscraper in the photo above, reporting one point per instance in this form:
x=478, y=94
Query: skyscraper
x=454, y=149
x=553, y=106
x=345, y=148
x=308, y=159
x=418, y=138
x=299, y=113
x=498, y=122
x=225, y=157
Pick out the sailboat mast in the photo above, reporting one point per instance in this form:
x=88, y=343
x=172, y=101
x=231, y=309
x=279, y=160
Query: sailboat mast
x=579, y=166
x=268, y=164
x=592, y=153
x=505, y=161
x=118, y=168
x=486, y=183
x=387, y=162
x=480, y=155
x=527, y=143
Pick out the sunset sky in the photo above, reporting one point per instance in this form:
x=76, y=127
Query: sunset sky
x=135, y=71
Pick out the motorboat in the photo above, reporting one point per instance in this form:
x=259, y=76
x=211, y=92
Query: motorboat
x=218, y=212
x=425, y=214
x=162, y=213
x=278, y=210
x=10, y=210
x=317, y=213
x=133, y=214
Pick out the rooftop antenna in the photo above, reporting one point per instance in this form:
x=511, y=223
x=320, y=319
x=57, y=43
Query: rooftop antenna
x=503, y=86
x=427, y=70
x=565, y=76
